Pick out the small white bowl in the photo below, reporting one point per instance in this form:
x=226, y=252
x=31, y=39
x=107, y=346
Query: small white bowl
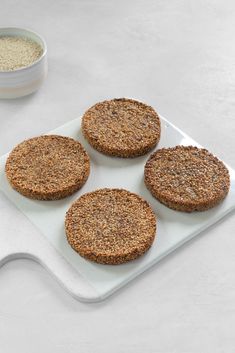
x=26, y=80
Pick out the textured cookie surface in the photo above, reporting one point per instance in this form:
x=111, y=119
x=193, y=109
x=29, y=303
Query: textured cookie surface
x=48, y=167
x=186, y=178
x=121, y=127
x=110, y=226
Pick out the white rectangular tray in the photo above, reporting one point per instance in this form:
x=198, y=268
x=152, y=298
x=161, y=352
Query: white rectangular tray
x=85, y=280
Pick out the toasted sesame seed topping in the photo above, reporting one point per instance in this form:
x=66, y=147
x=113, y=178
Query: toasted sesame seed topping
x=186, y=178
x=121, y=127
x=48, y=167
x=110, y=226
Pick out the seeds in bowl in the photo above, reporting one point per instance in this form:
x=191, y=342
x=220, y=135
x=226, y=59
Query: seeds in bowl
x=187, y=178
x=17, y=52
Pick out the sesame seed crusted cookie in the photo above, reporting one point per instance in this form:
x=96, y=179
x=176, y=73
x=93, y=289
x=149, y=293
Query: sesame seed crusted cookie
x=121, y=127
x=110, y=226
x=48, y=167
x=186, y=178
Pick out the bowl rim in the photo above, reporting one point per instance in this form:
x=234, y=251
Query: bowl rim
x=24, y=68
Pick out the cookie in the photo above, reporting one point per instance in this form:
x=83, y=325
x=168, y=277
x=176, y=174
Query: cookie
x=121, y=127
x=48, y=167
x=110, y=226
x=187, y=178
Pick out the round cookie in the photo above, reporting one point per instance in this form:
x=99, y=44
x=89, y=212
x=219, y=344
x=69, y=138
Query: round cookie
x=110, y=226
x=121, y=127
x=48, y=167
x=186, y=178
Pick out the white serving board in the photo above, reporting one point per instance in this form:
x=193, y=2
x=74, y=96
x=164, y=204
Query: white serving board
x=85, y=280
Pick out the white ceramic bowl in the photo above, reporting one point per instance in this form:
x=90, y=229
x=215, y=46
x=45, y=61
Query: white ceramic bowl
x=26, y=80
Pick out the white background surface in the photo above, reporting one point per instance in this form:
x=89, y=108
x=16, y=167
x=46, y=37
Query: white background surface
x=178, y=56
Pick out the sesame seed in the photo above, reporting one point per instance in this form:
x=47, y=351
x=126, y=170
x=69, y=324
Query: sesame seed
x=18, y=52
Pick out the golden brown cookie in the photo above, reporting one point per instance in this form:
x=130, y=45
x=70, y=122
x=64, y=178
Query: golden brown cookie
x=110, y=226
x=121, y=127
x=186, y=178
x=48, y=167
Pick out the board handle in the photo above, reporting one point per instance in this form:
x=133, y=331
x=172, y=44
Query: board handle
x=28, y=243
